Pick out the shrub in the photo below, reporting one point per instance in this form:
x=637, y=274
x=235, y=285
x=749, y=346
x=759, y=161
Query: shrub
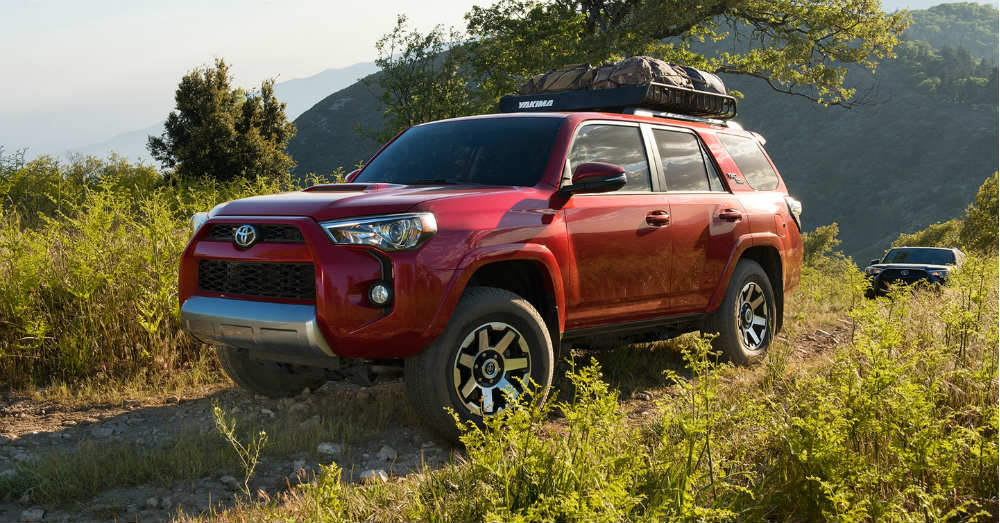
x=88, y=267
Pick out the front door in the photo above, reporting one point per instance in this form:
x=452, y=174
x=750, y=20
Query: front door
x=619, y=241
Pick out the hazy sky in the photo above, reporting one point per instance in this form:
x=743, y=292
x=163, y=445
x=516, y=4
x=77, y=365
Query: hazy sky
x=79, y=71
x=76, y=72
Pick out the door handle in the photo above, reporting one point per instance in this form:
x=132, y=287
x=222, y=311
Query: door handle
x=658, y=218
x=731, y=215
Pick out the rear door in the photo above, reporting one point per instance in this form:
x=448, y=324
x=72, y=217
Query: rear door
x=706, y=219
x=620, y=241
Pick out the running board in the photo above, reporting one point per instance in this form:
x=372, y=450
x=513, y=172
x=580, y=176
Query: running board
x=632, y=327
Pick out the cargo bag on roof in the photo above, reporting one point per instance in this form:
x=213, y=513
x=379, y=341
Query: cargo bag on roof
x=704, y=81
x=569, y=78
x=638, y=82
x=641, y=70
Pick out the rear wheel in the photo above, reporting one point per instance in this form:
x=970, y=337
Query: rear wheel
x=496, y=345
x=268, y=378
x=745, y=320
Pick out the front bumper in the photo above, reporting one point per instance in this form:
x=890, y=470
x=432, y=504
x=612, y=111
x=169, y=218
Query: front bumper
x=272, y=331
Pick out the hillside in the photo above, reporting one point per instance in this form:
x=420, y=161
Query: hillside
x=897, y=164
x=299, y=94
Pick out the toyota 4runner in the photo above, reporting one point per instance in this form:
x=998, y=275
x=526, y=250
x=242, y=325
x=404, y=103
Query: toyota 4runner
x=467, y=252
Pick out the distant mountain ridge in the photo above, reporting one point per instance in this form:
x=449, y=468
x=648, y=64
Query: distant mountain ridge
x=907, y=160
x=299, y=95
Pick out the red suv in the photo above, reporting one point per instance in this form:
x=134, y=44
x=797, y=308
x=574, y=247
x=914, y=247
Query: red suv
x=468, y=252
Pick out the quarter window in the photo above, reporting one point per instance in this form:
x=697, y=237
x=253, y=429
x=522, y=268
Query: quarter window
x=750, y=159
x=683, y=161
x=617, y=144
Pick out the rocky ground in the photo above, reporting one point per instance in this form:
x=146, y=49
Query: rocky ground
x=30, y=430
x=374, y=439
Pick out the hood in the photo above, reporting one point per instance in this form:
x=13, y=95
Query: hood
x=913, y=266
x=333, y=201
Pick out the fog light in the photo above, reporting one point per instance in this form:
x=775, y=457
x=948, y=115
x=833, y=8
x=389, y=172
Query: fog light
x=379, y=294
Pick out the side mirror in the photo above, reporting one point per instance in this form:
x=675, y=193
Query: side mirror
x=352, y=175
x=873, y=262
x=596, y=177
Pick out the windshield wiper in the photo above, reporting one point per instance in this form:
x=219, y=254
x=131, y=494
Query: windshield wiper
x=436, y=181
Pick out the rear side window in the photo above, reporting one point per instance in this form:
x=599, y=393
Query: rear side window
x=750, y=159
x=617, y=144
x=684, y=162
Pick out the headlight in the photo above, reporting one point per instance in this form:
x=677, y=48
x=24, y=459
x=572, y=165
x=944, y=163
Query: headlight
x=872, y=271
x=390, y=233
x=795, y=208
x=197, y=220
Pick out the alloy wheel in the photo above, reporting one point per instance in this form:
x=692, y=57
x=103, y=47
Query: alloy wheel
x=753, y=316
x=491, y=367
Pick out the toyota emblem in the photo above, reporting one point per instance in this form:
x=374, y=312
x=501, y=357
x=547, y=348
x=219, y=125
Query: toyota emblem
x=245, y=236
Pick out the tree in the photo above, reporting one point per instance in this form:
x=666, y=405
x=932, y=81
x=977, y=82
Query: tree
x=819, y=243
x=979, y=232
x=424, y=80
x=220, y=132
x=797, y=47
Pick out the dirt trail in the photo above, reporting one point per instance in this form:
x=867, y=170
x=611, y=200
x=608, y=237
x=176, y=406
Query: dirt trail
x=29, y=430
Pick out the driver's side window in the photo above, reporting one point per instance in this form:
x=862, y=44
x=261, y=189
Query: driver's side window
x=617, y=144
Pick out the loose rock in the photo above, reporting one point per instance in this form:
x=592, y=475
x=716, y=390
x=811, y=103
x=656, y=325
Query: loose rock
x=152, y=503
x=330, y=449
x=267, y=412
x=230, y=482
x=374, y=476
x=310, y=423
x=387, y=453
x=32, y=514
x=643, y=396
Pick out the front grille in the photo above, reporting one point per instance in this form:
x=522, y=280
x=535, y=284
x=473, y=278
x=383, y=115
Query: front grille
x=266, y=233
x=293, y=281
x=897, y=275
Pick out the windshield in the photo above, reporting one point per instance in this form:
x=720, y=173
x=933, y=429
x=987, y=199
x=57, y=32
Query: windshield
x=486, y=151
x=925, y=256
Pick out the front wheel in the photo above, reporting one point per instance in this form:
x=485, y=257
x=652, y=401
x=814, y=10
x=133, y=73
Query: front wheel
x=745, y=320
x=496, y=345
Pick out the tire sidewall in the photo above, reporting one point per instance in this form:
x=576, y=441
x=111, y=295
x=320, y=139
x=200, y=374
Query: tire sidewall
x=540, y=371
x=730, y=339
x=435, y=364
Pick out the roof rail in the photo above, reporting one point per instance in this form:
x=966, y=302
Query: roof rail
x=639, y=111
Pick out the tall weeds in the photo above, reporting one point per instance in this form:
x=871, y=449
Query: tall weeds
x=897, y=423
x=88, y=267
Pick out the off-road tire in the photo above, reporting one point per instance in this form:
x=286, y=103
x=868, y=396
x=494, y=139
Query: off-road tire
x=268, y=378
x=731, y=341
x=431, y=375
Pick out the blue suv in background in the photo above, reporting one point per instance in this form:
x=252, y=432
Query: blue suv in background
x=909, y=265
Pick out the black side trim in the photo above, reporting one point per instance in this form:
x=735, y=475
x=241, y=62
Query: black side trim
x=631, y=326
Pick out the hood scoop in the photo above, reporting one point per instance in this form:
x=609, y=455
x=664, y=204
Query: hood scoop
x=349, y=187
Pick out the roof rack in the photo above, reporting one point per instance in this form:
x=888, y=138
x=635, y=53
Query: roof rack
x=654, y=97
